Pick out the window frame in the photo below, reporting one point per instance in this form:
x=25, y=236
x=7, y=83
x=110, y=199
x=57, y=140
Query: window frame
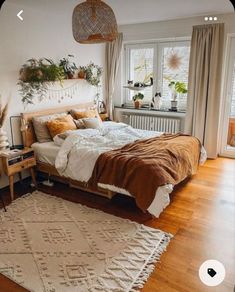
x=158, y=46
x=225, y=112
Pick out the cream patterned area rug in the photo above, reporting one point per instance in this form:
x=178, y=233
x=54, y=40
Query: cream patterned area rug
x=49, y=244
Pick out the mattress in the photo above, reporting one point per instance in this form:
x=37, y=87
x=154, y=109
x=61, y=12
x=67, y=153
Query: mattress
x=46, y=152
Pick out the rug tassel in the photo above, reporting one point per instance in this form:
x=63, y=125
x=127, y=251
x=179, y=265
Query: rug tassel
x=150, y=265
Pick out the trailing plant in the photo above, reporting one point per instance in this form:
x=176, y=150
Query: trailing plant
x=35, y=77
x=93, y=74
x=138, y=96
x=68, y=66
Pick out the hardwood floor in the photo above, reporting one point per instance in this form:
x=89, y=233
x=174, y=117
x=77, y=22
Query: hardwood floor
x=201, y=217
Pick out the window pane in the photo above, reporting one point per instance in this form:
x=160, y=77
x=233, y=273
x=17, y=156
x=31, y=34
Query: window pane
x=141, y=69
x=175, y=65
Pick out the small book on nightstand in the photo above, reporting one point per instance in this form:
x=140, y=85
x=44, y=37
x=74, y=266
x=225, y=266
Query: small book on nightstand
x=16, y=156
x=11, y=153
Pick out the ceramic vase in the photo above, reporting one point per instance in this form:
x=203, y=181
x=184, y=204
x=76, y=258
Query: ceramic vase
x=4, y=144
x=174, y=105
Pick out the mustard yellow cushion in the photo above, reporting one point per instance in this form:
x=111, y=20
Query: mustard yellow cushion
x=60, y=125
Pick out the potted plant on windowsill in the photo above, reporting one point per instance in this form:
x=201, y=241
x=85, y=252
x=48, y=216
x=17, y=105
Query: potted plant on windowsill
x=137, y=99
x=176, y=88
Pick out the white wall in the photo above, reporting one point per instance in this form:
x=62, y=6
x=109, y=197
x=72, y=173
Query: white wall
x=171, y=29
x=45, y=32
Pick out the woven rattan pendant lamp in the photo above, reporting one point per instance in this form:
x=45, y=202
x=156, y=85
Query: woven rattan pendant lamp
x=94, y=22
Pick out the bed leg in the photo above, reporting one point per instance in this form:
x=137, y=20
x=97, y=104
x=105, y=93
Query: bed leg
x=110, y=195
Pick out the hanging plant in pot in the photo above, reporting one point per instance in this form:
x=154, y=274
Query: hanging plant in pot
x=176, y=88
x=137, y=99
x=36, y=76
x=69, y=67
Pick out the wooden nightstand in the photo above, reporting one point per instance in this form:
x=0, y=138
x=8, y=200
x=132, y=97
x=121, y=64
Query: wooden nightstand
x=104, y=116
x=15, y=163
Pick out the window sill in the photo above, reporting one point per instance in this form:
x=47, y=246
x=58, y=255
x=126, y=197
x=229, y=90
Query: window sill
x=149, y=111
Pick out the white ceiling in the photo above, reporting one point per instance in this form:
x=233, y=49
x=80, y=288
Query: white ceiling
x=138, y=11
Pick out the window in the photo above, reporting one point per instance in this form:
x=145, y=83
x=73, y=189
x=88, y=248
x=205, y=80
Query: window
x=165, y=62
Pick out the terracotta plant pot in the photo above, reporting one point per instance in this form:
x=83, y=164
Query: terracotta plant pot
x=82, y=75
x=137, y=104
x=70, y=75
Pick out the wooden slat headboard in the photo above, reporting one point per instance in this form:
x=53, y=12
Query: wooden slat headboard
x=28, y=133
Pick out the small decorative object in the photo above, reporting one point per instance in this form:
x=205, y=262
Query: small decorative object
x=174, y=61
x=157, y=101
x=4, y=144
x=102, y=107
x=137, y=99
x=35, y=77
x=130, y=82
x=69, y=67
x=176, y=88
x=93, y=76
x=15, y=124
x=141, y=84
x=94, y=22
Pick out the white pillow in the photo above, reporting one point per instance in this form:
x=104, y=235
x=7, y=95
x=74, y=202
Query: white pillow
x=40, y=128
x=92, y=123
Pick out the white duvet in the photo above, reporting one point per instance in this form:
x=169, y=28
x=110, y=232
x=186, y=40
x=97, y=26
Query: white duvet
x=79, y=152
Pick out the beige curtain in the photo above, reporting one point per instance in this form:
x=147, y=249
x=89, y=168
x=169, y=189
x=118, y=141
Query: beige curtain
x=202, y=118
x=112, y=58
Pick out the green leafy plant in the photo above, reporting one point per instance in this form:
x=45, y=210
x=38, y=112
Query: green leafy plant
x=138, y=96
x=93, y=74
x=36, y=76
x=179, y=87
x=68, y=66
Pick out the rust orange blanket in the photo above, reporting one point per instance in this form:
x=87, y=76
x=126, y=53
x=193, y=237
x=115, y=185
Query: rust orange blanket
x=143, y=166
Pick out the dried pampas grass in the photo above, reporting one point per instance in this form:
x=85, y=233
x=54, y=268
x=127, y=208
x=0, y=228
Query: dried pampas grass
x=3, y=112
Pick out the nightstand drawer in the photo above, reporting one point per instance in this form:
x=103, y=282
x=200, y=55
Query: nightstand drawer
x=18, y=167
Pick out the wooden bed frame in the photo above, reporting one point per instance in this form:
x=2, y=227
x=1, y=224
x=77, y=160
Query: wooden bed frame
x=29, y=138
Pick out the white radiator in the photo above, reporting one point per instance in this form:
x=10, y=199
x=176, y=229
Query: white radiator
x=154, y=123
